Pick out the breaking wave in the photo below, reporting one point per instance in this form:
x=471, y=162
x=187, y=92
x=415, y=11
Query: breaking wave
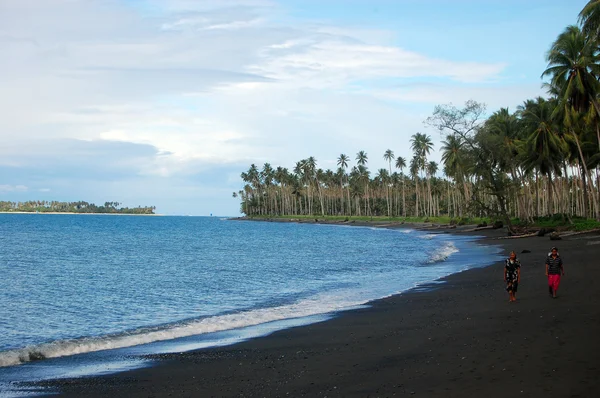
x=61, y=348
x=443, y=253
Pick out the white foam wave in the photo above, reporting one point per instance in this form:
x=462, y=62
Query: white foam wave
x=443, y=253
x=427, y=237
x=313, y=306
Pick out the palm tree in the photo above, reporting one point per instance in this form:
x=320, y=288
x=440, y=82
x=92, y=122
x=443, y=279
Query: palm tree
x=301, y=181
x=543, y=148
x=280, y=177
x=363, y=178
x=342, y=162
x=310, y=171
x=454, y=159
x=389, y=156
x=451, y=155
x=505, y=129
x=319, y=178
x=362, y=160
x=414, y=172
x=589, y=18
x=267, y=178
x=431, y=169
x=252, y=180
x=573, y=67
x=421, y=145
x=401, y=164
x=384, y=177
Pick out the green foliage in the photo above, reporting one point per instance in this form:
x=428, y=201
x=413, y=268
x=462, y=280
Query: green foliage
x=586, y=225
x=540, y=160
x=81, y=207
x=441, y=220
x=556, y=221
x=560, y=221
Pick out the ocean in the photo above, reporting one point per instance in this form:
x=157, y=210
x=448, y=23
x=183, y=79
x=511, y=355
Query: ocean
x=89, y=294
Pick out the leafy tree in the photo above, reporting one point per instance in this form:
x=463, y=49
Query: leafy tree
x=573, y=69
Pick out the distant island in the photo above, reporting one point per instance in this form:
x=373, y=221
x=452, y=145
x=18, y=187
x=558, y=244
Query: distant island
x=81, y=207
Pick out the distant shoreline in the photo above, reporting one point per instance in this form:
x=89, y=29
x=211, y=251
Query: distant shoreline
x=79, y=214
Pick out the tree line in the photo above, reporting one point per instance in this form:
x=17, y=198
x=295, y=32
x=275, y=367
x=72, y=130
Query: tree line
x=43, y=206
x=542, y=159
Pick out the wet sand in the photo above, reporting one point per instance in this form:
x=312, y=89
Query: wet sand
x=461, y=338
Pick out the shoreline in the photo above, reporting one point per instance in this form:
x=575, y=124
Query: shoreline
x=73, y=213
x=388, y=224
x=328, y=347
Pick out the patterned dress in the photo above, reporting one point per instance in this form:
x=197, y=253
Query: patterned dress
x=511, y=273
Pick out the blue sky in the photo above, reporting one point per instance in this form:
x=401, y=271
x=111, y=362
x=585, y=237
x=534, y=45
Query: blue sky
x=166, y=102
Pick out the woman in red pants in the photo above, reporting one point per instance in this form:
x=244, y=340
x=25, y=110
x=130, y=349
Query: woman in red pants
x=554, y=270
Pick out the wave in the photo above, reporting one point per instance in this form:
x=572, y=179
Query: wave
x=427, y=237
x=313, y=306
x=443, y=253
x=323, y=303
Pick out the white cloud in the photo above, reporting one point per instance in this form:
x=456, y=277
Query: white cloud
x=325, y=62
x=191, y=85
x=438, y=93
x=13, y=188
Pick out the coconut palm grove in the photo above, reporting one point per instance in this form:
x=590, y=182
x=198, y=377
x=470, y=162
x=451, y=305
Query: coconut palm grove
x=543, y=160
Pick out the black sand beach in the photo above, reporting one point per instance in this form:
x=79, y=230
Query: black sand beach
x=459, y=339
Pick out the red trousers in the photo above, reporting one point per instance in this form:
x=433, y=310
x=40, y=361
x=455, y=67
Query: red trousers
x=554, y=281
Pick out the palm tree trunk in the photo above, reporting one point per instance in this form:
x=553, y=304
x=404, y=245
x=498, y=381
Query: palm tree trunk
x=349, y=201
x=567, y=203
x=430, y=206
x=403, y=198
x=448, y=186
x=598, y=134
x=417, y=196
x=550, y=195
x=537, y=196
x=578, y=190
x=342, y=195
x=588, y=175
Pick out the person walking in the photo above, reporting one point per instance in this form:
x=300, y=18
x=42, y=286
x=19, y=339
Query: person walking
x=512, y=275
x=554, y=270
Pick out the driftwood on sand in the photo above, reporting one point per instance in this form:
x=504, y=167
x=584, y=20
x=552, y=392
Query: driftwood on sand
x=518, y=236
x=574, y=233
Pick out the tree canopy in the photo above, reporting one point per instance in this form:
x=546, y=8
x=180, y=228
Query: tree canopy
x=44, y=206
x=542, y=159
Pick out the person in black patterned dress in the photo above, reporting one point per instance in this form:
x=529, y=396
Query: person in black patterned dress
x=512, y=275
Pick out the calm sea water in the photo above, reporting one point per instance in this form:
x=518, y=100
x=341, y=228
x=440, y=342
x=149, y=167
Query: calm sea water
x=74, y=284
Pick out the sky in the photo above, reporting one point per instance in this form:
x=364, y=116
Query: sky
x=166, y=102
